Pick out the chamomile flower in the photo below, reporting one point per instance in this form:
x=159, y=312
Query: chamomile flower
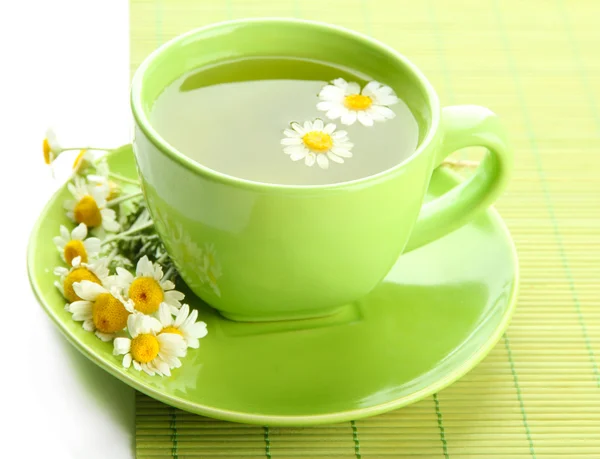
x=183, y=324
x=102, y=311
x=82, y=160
x=51, y=147
x=103, y=181
x=89, y=206
x=346, y=101
x=210, y=270
x=149, y=288
x=76, y=244
x=148, y=349
x=316, y=142
x=96, y=272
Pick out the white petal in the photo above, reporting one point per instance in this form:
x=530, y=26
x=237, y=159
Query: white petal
x=134, y=324
x=61, y=271
x=106, y=337
x=386, y=100
x=144, y=267
x=136, y=365
x=308, y=126
x=329, y=128
x=148, y=369
x=339, y=151
x=324, y=106
x=335, y=113
x=64, y=233
x=318, y=124
x=152, y=325
x=80, y=232
x=340, y=83
x=167, y=285
x=298, y=128
x=339, y=135
x=164, y=315
x=349, y=117
x=197, y=330
x=310, y=159
x=384, y=111
x=334, y=158
x=291, y=149
x=88, y=325
x=299, y=155
x=364, y=119
x=59, y=242
x=108, y=222
x=127, y=360
x=125, y=276
x=92, y=245
x=194, y=343
x=76, y=261
x=88, y=290
x=291, y=141
x=375, y=115
x=291, y=133
x=322, y=161
x=182, y=315
x=121, y=346
x=371, y=88
x=353, y=88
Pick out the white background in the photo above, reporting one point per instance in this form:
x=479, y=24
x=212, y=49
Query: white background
x=66, y=63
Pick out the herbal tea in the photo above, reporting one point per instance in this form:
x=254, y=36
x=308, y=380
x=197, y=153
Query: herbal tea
x=286, y=121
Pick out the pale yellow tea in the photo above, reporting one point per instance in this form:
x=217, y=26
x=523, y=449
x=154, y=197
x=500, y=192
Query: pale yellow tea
x=286, y=121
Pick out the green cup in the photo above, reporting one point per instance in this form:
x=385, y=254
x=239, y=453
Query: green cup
x=259, y=251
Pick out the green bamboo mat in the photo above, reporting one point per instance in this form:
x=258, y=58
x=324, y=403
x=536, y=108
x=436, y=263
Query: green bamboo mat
x=538, y=392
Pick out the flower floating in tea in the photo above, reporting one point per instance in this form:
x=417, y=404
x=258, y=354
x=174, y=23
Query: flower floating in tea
x=346, y=101
x=141, y=312
x=316, y=142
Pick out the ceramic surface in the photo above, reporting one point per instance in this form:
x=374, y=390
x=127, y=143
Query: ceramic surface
x=284, y=252
x=435, y=316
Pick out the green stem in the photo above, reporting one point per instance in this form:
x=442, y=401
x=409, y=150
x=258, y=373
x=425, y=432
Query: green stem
x=120, y=178
x=129, y=232
x=162, y=258
x=169, y=273
x=114, y=202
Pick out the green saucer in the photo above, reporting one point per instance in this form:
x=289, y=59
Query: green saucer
x=437, y=314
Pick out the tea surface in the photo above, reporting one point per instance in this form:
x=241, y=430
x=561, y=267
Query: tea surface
x=231, y=118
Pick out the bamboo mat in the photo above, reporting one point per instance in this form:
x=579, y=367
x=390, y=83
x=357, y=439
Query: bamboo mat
x=537, y=394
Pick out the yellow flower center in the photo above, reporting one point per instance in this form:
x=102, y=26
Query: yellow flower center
x=86, y=211
x=77, y=275
x=74, y=249
x=144, y=348
x=146, y=294
x=47, y=151
x=318, y=141
x=357, y=102
x=79, y=160
x=171, y=329
x=109, y=314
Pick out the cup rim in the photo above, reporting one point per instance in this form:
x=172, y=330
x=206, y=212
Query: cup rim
x=157, y=140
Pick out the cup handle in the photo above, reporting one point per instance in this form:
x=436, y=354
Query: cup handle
x=465, y=126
